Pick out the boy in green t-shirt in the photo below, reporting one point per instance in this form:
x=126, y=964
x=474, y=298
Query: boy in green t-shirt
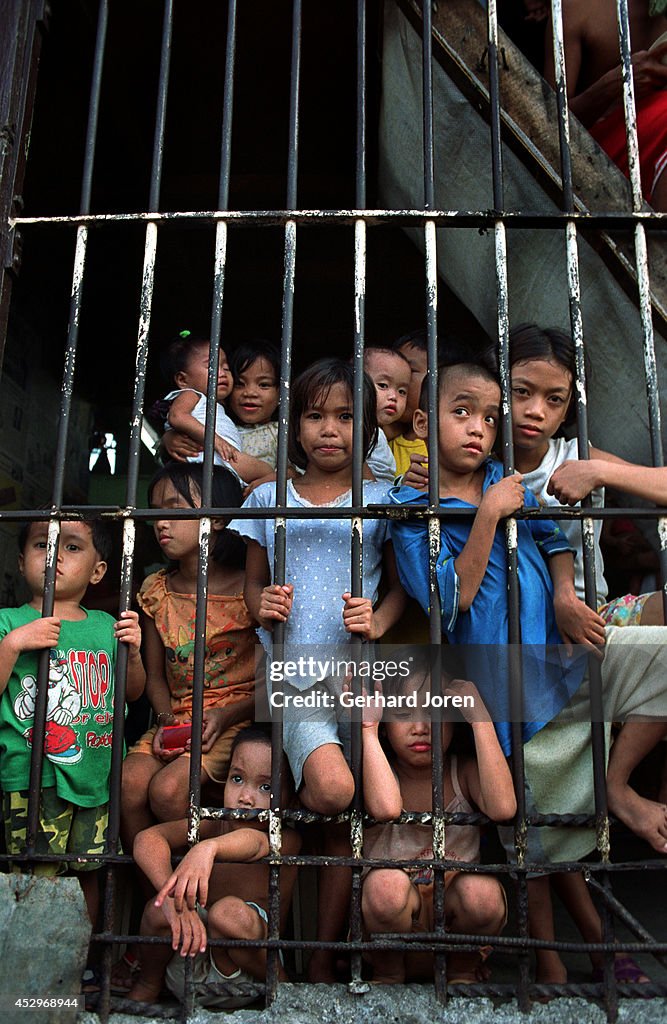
x=79, y=713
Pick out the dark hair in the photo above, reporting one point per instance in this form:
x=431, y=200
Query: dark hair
x=472, y=367
x=418, y=339
x=228, y=548
x=381, y=350
x=251, y=734
x=248, y=352
x=177, y=356
x=528, y=341
x=245, y=355
x=99, y=529
x=315, y=383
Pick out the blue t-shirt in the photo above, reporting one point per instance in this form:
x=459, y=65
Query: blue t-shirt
x=318, y=562
x=550, y=679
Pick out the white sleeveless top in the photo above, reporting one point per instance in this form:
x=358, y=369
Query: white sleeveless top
x=561, y=451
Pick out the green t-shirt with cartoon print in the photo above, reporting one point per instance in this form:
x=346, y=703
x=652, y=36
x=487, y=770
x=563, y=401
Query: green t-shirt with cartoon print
x=79, y=712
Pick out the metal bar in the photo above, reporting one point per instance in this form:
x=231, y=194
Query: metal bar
x=94, y=107
x=435, y=614
x=358, y=456
x=511, y=534
x=598, y=221
x=588, y=536
x=275, y=826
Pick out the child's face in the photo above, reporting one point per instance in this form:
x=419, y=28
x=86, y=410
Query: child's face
x=469, y=407
x=411, y=741
x=78, y=561
x=541, y=395
x=248, y=785
x=418, y=364
x=254, y=396
x=392, y=378
x=325, y=430
x=195, y=374
x=177, y=537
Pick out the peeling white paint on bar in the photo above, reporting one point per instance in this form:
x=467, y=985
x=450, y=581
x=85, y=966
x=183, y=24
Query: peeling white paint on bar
x=559, y=63
x=433, y=539
x=370, y=216
x=650, y=365
x=492, y=21
x=52, y=537
x=511, y=535
x=438, y=837
x=588, y=535
x=359, y=272
x=630, y=109
x=275, y=833
x=431, y=264
x=77, y=274
x=357, y=833
x=220, y=247
x=204, y=539
x=148, y=277
x=129, y=535
x=662, y=534
x=195, y=815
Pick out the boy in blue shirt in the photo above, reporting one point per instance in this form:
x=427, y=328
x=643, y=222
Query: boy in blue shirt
x=473, y=584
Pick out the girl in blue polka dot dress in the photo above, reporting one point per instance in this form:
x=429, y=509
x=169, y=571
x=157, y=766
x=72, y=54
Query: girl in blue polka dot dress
x=315, y=602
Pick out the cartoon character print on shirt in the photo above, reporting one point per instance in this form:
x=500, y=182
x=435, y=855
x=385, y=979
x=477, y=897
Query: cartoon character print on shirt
x=216, y=652
x=63, y=704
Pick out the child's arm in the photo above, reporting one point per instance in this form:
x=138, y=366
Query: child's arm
x=217, y=721
x=33, y=636
x=152, y=852
x=382, y=794
x=181, y=419
x=499, y=500
x=488, y=780
x=157, y=689
x=574, y=479
x=577, y=623
x=266, y=603
x=189, y=882
x=127, y=631
x=359, y=616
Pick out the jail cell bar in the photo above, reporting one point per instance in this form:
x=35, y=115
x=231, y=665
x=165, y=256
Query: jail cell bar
x=291, y=219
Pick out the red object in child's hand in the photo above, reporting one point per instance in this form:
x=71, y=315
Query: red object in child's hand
x=175, y=736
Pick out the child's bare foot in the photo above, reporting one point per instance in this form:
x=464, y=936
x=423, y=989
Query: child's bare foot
x=144, y=992
x=124, y=972
x=645, y=818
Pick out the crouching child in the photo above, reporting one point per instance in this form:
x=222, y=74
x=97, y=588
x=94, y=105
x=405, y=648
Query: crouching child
x=219, y=890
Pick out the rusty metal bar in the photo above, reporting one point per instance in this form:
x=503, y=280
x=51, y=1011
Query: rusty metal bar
x=39, y=717
x=435, y=615
x=511, y=534
x=357, y=497
x=652, y=221
x=275, y=823
x=588, y=535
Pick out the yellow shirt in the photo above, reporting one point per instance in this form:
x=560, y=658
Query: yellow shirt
x=402, y=449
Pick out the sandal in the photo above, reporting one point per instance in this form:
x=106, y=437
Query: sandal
x=124, y=973
x=626, y=971
x=91, y=982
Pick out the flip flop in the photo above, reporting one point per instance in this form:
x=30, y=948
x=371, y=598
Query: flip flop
x=626, y=971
